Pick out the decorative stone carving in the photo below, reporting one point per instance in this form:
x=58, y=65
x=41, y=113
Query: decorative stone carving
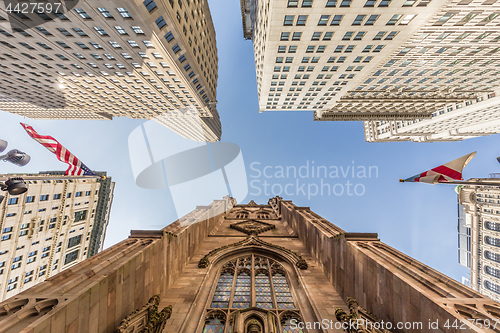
x=367, y=321
x=253, y=240
x=146, y=319
x=252, y=227
x=252, y=203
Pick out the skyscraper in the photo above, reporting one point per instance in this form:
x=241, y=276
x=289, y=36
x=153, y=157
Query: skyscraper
x=136, y=59
x=249, y=268
x=372, y=60
x=455, y=122
x=479, y=213
x=57, y=223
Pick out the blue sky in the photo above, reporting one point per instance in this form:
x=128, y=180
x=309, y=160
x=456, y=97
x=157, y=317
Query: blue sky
x=417, y=219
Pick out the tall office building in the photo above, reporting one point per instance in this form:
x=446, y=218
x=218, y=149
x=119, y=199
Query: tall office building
x=57, y=223
x=372, y=59
x=249, y=268
x=455, y=122
x=99, y=60
x=479, y=236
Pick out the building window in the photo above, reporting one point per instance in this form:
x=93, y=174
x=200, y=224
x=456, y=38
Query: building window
x=160, y=22
x=242, y=215
x=492, y=271
x=150, y=5
x=13, y=201
x=82, y=14
x=70, y=257
x=336, y=19
x=30, y=199
x=394, y=19
x=492, y=241
x=74, y=241
x=323, y=20
x=101, y=31
x=301, y=20
x=271, y=290
x=169, y=36
x=80, y=215
x=105, y=12
x=492, y=226
x=137, y=30
x=288, y=19
x=492, y=286
x=293, y=3
x=124, y=13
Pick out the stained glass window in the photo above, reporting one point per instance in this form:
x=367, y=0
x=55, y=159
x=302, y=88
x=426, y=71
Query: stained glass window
x=282, y=292
x=290, y=325
x=223, y=291
x=242, y=291
x=252, y=281
x=214, y=325
x=263, y=297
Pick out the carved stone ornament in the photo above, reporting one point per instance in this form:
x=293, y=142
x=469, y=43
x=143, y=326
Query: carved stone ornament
x=368, y=322
x=253, y=240
x=146, y=319
x=252, y=227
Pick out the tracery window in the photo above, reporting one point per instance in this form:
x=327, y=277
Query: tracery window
x=262, y=215
x=252, y=281
x=242, y=215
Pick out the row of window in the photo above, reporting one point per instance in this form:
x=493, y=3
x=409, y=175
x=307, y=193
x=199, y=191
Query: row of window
x=45, y=197
x=338, y=48
x=358, y=59
x=347, y=3
x=337, y=19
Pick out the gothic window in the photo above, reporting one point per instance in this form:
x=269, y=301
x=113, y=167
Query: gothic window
x=262, y=215
x=493, y=241
x=242, y=215
x=252, y=281
x=215, y=322
x=289, y=322
x=492, y=286
x=493, y=226
x=492, y=271
x=492, y=256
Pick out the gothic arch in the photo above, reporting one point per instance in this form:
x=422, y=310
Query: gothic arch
x=251, y=288
x=256, y=245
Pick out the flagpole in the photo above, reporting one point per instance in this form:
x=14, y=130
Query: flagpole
x=47, y=177
x=466, y=182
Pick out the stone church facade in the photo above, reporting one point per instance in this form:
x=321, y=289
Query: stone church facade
x=249, y=269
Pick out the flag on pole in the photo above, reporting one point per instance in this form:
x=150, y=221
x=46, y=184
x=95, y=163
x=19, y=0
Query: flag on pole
x=444, y=173
x=76, y=167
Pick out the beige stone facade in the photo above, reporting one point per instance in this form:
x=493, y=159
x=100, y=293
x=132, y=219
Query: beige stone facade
x=251, y=268
x=99, y=60
x=372, y=60
x=482, y=215
x=455, y=122
x=49, y=228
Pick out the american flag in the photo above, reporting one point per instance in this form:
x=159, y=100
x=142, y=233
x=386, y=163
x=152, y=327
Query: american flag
x=447, y=172
x=76, y=167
